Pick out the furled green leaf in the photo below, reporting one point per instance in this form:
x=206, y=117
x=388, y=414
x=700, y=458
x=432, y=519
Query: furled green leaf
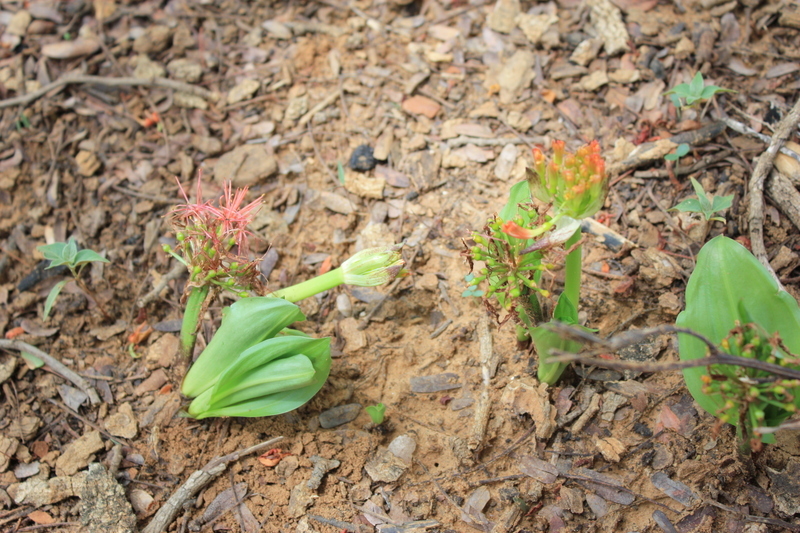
x=696, y=85
x=244, y=324
x=520, y=193
x=726, y=279
x=51, y=298
x=705, y=203
x=545, y=340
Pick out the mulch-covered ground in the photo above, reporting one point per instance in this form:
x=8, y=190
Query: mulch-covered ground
x=370, y=123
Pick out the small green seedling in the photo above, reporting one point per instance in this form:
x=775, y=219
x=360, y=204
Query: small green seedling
x=679, y=152
x=377, y=413
x=67, y=253
x=689, y=94
x=705, y=204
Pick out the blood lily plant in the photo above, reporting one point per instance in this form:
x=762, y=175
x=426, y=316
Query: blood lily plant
x=523, y=242
x=254, y=364
x=733, y=301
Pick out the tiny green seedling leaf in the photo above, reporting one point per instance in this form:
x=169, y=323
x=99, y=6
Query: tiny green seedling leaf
x=688, y=94
x=704, y=204
x=51, y=298
x=33, y=362
x=340, y=172
x=680, y=151
x=377, y=413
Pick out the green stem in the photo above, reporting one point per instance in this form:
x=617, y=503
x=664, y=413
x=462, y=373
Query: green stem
x=316, y=285
x=572, y=269
x=191, y=318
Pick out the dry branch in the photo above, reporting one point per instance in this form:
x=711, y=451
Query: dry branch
x=163, y=83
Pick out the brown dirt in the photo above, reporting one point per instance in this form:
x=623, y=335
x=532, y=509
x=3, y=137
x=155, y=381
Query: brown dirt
x=88, y=167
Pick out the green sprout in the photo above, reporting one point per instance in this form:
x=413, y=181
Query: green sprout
x=520, y=244
x=705, y=204
x=679, y=152
x=688, y=94
x=377, y=413
x=67, y=254
x=471, y=290
x=733, y=301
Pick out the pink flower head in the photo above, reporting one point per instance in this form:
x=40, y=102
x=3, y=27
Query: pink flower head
x=213, y=239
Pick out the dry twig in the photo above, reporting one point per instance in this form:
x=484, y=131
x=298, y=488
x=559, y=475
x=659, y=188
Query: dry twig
x=55, y=365
x=755, y=212
x=164, y=83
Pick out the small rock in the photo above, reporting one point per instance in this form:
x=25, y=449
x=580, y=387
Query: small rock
x=624, y=75
x=535, y=26
x=37, y=492
x=69, y=49
x=104, y=506
x=155, y=381
x=244, y=90
x=23, y=427
x=87, y=163
x=383, y=145
x=435, y=383
x=502, y=19
x=208, y=145
x=342, y=414
x=148, y=69
x=298, y=106
x=26, y=470
x=519, y=121
x=385, y=467
x=428, y=281
x=123, y=422
x=19, y=23
x=461, y=403
x=487, y=109
x=7, y=365
x=189, y=101
x=163, y=351
x=277, y=29
x=185, y=70
x=516, y=74
x=245, y=165
x=528, y=396
x=299, y=500
x=611, y=448
x=505, y=163
x=362, y=158
x=453, y=160
x=337, y=203
x=586, y=51
x=155, y=39
x=421, y=105
x=321, y=467
x=354, y=338
x=8, y=446
x=77, y=454
x=403, y=447
x=593, y=81
x=344, y=305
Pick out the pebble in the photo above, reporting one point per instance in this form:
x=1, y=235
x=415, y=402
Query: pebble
x=403, y=448
x=344, y=305
x=515, y=75
x=163, y=350
x=385, y=467
x=78, y=453
x=8, y=446
x=147, y=69
x=593, y=81
x=505, y=162
x=502, y=19
x=461, y=403
x=586, y=51
x=421, y=105
x=185, y=70
x=19, y=23
x=435, y=383
x=190, y=101
x=208, y=145
x=277, y=30
x=362, y=159
x=69, y=49
x=155, y=39
x=337, y=203
x=535, y=26
x=104, y=506
x=123, y=422
x=243, y=90
x=37, y=492
x=354, y=338
x=245, y=165
x=428, y=281
x=383, y=145
x=342, y=414
x=155, y=381
x=87, y=163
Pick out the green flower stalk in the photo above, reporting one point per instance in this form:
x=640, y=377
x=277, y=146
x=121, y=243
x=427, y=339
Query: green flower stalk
x=367, y=268
x=519, y=245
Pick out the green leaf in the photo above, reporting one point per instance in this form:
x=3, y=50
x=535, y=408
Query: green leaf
x=31, y=360
x=51, y=298
x=520, y=193
x=377, y=413
x=711, y=90
x=726, y=277
x=721, y=203
x=244, y=324
x=696, y=85
x=545, y=340
x=70, y=251
x=53, y=253
x=340, y=172
x=88, y=256
x=690, y=205
x=705, y=203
